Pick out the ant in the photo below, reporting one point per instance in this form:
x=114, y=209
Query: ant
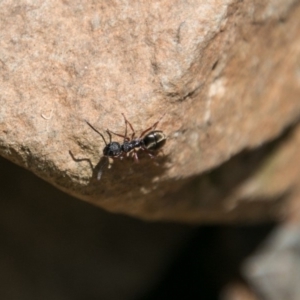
x=150, y=140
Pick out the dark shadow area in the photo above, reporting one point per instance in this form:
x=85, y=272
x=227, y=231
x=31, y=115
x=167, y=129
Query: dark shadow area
x=208, y=262
x=56, y=247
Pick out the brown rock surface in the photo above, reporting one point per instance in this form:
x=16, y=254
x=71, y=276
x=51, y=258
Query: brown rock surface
x=226, y=73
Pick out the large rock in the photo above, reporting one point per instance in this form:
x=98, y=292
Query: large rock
x=226, y=73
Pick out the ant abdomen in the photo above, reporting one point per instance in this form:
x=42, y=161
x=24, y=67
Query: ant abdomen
x=154, y=140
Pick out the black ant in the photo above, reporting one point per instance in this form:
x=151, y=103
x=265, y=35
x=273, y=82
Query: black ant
x=154, y=140
x=150, y=140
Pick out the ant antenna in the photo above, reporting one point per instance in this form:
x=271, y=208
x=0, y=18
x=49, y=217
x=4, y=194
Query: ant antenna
x=155, y=124
x=125, y=135
x=96, y=131
x=109, y=134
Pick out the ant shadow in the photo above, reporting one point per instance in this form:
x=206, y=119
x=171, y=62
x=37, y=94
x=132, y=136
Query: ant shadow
x=117, y=171
x=125, y=173
x=98, y=169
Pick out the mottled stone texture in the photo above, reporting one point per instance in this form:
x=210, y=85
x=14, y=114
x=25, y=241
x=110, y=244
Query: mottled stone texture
x=274, y=271
x=226, y=73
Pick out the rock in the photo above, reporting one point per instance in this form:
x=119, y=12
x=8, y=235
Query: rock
x=226, y=74
x=274, y=270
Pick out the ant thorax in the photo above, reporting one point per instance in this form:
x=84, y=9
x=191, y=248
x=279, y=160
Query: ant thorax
x=131, y=145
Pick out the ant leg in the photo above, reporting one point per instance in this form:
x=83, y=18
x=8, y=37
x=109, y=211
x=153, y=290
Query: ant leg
x=126, y=121
x=135, y=156
x=152, y=127
x=125, y=137
x=151, y=154
x=120, y=135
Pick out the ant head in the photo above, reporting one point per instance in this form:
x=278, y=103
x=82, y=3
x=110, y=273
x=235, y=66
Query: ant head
x=112, y=149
